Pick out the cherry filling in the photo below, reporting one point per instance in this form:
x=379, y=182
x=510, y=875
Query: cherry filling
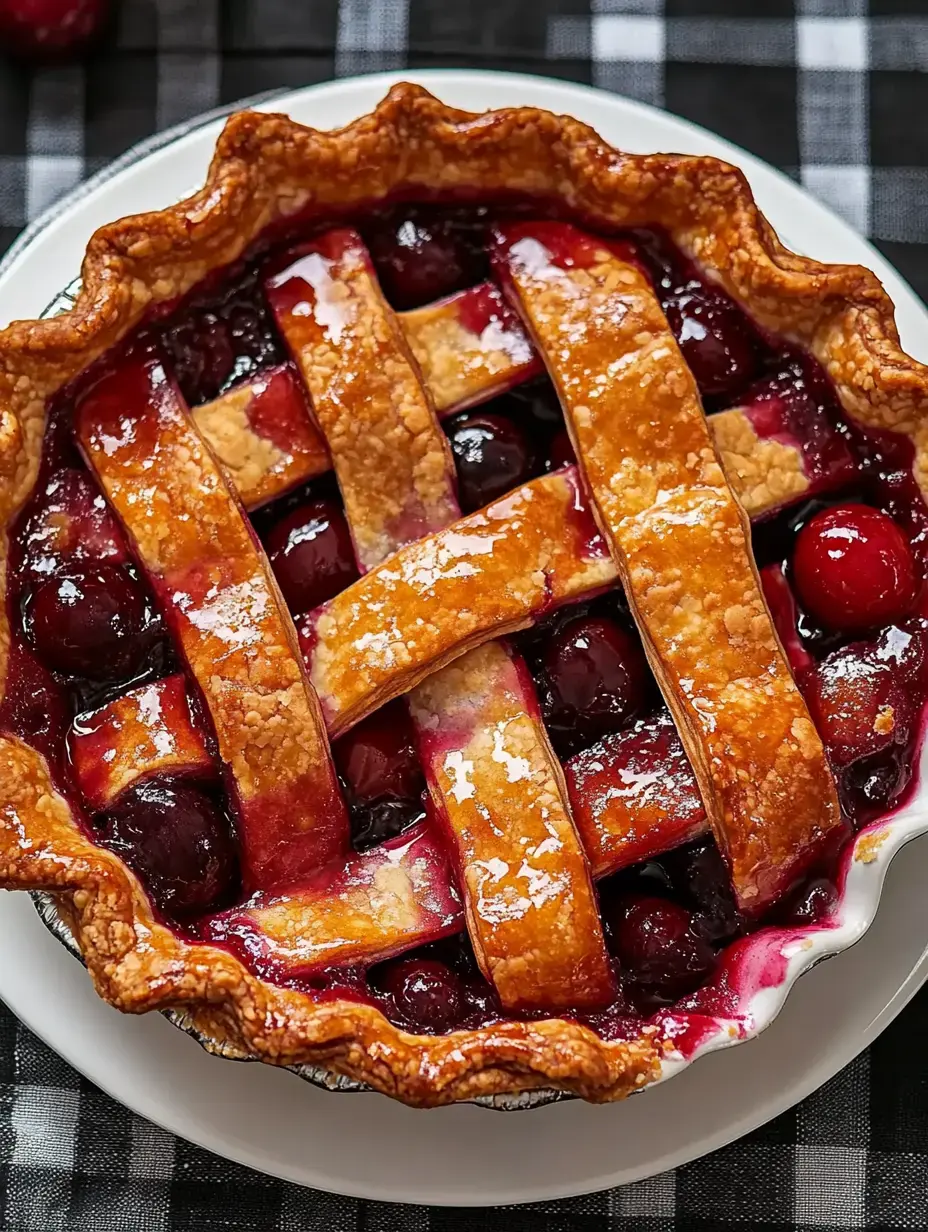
x=662, y=953
x=422, y=254
x=221, y=338
x=865, y=699
x=719, y=343
x=853, y=569
x=597, y=677
x=380, y=768
x=424, y=993
x=94, y=622
x=492, y=456
x=178, y=840
x=84, y=620
x=311, y=554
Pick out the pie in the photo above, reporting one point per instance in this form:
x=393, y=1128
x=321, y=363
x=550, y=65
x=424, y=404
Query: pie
x=462, y=582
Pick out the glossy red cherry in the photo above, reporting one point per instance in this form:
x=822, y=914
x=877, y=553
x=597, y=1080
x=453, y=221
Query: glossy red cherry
x=50, y=28
x=421, y=256
x=428, y=996
x=492, y=456
x=311, y=554
x=378, y=757
x=862, y=697
x=92, y=622
x=598, y=677
x=661, y=952
x=853, y=569
x=177, y=840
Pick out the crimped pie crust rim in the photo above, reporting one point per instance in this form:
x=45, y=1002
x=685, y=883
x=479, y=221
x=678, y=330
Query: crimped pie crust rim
x=840, y=312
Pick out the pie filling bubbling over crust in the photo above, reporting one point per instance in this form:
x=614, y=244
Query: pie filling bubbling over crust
x=460, y=616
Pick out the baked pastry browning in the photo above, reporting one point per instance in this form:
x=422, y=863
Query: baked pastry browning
x=494, y=780
x=487, y=574
x=145, y=732
x=529, y=901
x=294, y=360
x=217, y=592
x=367, y=396
x=263, y=434
x=681, y=544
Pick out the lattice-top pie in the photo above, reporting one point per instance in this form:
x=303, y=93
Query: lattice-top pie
x=461, y=580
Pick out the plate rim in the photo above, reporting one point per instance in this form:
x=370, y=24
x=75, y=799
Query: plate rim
x=32, y=236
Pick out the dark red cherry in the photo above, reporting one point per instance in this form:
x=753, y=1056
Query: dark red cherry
x=877, y=782
x=223, y=338
x=421, y=257
x=311, y=554
x=381, y=769
x=92, y=622
x=714, y=337
x=178, y=842
x=492, y=455
x=811, y=903
x=700, y=876
x=862, y=697
x=427, y=995
x=535, y=404
x=203, y=356
x=378, y=757
x=561, y=452
x=661, y=952
x=598, y=677
x=853, y=569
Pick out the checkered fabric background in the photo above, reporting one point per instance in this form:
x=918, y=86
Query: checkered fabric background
x=835, y=92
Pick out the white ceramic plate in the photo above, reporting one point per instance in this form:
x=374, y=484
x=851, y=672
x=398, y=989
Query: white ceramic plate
x=365, y=1145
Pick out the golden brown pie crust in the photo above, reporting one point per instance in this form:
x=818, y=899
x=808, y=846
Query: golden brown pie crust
x=266, y=170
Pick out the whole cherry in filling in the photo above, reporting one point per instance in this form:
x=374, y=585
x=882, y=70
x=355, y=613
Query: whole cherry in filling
x=425, y=994
x=864, y=700
x=177, y=840
x=311, y=555
x=853, y=569
x=222, y=339
x=377, y=760
x=714, y=334
x=699, y=875
x=422, y=255
x=492, y=455
x=598, y=678
x=862, y=696
x=662, y=953
x=92, y=622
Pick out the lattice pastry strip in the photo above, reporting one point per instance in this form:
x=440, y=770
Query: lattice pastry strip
x=494, y=779
x=681, y=544
x=147, y=731
x=482, y=752
x=430, y=602
x=218, y=595
x=469, y=348
x=374, y=905
x=392, y=467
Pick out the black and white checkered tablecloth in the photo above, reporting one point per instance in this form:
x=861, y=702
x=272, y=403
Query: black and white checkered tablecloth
x=833, y=91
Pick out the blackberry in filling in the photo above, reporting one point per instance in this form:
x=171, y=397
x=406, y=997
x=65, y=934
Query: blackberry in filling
x=107, y=682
